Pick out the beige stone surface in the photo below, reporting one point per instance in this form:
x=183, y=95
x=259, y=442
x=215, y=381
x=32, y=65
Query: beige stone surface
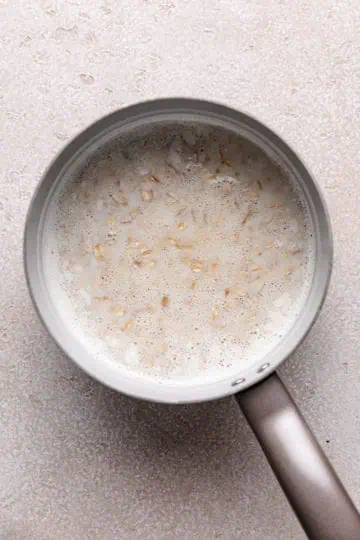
x=78, y=461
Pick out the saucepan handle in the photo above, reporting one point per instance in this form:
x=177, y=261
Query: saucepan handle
x=311, y=485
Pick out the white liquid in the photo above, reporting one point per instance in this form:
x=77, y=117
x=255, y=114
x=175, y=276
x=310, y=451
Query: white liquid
x=183, y=253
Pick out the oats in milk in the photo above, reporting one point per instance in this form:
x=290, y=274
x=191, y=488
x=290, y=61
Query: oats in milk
x=180, y=252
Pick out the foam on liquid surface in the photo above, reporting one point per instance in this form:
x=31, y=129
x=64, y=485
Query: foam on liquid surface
x=182, y=253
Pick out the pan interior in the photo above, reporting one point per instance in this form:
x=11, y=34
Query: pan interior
x=225, y=338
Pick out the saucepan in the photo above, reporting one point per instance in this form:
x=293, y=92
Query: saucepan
x=312, y=487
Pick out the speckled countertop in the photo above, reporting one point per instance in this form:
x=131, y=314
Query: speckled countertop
x=78, y=461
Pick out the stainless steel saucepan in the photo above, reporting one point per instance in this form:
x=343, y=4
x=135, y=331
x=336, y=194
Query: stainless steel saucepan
x=316, y=494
